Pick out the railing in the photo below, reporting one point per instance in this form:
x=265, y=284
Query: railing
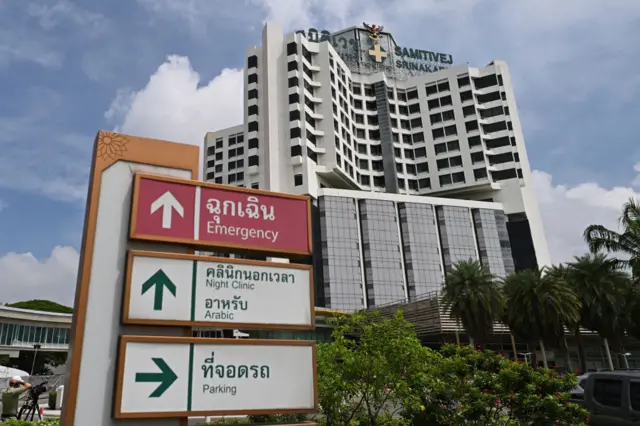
x=429, y=316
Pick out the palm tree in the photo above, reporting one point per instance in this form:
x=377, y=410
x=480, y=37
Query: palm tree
x=562, y=273
x=473, y=297
x=627, y=243
x=538, y=307
x=603, y=288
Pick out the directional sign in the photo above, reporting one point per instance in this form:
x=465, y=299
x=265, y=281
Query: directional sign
x=197, y=213
x=159, y=280
x=183, y=376
x=164, y=378
x=168, y=203
x=205, y=291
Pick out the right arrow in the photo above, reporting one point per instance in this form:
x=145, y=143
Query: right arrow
x=165, y=378
x=159, y=280
x=168, y=203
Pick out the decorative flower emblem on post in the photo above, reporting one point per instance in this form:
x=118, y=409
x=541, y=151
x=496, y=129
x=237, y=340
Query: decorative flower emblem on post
x=111, y=146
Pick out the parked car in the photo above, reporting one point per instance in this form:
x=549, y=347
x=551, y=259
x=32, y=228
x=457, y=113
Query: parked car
x=577, y=393
x=613, y=397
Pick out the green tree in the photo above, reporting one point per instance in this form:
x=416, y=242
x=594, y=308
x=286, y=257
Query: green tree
x=363, y=372
x=474, y=299
x=538, y=307
x=41, y=305
x=627, y=243
x=603, y=288
x=472, y=388
x=573, y=322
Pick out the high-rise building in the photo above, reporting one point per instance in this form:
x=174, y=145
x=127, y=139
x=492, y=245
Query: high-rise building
x=411, y=150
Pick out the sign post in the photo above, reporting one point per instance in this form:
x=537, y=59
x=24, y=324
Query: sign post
x=141, y=197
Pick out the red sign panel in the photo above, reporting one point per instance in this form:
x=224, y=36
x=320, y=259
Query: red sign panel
x=199, y=213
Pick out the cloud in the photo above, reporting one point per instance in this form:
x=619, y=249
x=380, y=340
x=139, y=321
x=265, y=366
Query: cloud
x=568, y=210
x=3, y=205
x=52, y=16
x=175, y=106
x=24, y=277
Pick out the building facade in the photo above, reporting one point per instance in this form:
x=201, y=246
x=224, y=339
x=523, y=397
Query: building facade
x=355, y=112
x=376, y=249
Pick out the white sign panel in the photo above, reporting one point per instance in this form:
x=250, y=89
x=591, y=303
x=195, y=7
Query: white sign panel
x=172, y=289
x=173, y=377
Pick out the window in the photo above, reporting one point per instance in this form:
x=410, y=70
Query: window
x=218, y=179
x=252, y=110
x=437, y=133
x=431, y=90
x=253, y=126
x=253, y=143
x=634, y=395
x=252, y=61
x=418, y=137
x=414, y=108
x=294, y=98
x=254, y=161
x=297, y=179
x=463, y=81
x=443, y=87
x=466, y=96
x=295, y=133
x=471, y=125
x=292, y=66
x=253, y=78
x=210, y=175
x=255, y=185
x=292, y=48
x=412, y=95
x=293, y=82
x=312, y=155
x=294, y=115
x=211, y=150
x=479, y=174
x=296, y=150
x=219, y=143
x=253, y=94
x=608, y=392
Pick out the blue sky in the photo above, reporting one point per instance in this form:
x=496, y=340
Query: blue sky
x=171, y=69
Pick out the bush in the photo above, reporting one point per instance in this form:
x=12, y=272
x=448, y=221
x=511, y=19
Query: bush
x=472, y=387
x=45, y=422
x=52, y=400
x=273, y=418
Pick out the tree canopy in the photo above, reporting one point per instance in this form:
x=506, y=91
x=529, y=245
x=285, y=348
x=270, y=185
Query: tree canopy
x=41, y=305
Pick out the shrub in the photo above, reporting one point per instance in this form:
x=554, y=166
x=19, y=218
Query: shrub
x=471, y=387
x=45, y=422
x=52, y=400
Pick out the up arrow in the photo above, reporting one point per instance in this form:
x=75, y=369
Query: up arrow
x=168, y=203
x=160, y=280
x=164, y=378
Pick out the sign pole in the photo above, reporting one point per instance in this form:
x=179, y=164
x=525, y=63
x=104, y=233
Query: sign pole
x=96, y=318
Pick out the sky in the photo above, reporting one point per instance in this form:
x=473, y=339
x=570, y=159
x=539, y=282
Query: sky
x=172, y=69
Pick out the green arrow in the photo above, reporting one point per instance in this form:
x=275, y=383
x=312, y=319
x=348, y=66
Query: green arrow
x=166, y=377
x=160, y=280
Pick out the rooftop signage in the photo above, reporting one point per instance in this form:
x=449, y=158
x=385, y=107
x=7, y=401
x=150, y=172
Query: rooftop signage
x=378, y=52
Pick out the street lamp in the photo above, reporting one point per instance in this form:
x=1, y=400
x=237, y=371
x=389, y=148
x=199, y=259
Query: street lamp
x=526, y=356
x=35, y=354
x=626, y=362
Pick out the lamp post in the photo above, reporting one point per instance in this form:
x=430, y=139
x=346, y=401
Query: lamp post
x=526, y=356
x=626, y=361
x=35, y=354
